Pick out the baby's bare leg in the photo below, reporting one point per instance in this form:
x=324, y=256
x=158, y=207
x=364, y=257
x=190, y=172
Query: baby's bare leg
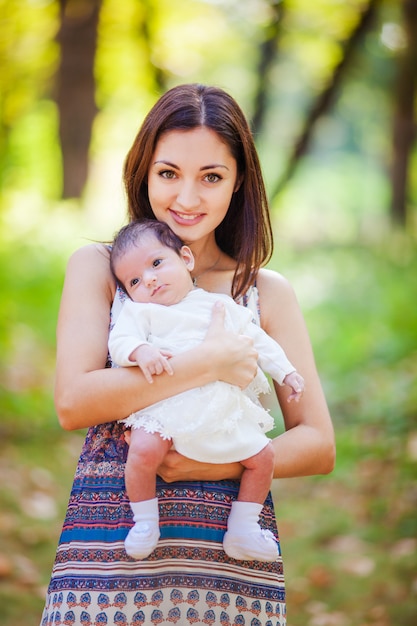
x=245, y=539
x=146, y=452
x=257, y=476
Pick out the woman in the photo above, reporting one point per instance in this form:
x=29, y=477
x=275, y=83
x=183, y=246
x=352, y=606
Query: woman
x=194, y=166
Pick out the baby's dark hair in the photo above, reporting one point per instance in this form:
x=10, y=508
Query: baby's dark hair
x=131, y=235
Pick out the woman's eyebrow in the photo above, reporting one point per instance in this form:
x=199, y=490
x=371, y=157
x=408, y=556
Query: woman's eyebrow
x=204, y=167
x=167, y=163
x=213, y=166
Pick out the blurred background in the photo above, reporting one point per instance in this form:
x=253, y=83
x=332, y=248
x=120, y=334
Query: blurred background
x=330, y=90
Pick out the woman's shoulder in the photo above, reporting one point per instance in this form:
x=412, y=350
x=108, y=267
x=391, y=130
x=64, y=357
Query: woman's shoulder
x=273, y=284
x=91, y=259
x=96, y=253
x=272, y=277
x=90, y=266
x=275, y=294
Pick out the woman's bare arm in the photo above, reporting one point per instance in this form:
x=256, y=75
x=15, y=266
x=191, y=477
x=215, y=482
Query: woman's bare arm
x=87, y=394
x=307, y=447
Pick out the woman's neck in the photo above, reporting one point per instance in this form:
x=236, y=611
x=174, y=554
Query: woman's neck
x=206, y=255
x=213, y=269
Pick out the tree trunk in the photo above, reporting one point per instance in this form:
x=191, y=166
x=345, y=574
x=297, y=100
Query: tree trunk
x=404, y=129
x=268, y=54
x=76, y=89
x=325, y=99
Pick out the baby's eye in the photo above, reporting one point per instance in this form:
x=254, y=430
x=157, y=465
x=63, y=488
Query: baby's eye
x=156, y=262
x=212, y=178
x=134, y=281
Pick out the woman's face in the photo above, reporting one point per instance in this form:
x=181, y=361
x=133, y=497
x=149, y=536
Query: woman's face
x=191, y=180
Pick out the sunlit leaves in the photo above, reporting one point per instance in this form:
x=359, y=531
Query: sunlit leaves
x=28, y=54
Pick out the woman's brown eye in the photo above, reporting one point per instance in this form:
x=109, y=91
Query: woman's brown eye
x=167, y=174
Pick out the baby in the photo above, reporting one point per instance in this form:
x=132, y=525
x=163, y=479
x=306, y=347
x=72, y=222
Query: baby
x=217, y=423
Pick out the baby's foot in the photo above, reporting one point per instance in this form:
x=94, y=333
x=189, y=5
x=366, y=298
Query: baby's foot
x=259, y=545
x=142, y=540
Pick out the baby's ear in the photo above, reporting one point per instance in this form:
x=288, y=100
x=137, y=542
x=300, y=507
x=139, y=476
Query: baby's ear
x=188, y=257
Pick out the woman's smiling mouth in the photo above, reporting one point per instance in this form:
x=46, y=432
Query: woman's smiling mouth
x=186, y=217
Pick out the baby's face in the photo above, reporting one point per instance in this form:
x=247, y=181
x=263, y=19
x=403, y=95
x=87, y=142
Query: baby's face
x=152, y=272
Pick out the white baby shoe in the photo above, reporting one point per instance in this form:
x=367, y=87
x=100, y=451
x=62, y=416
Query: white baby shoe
x=259, y=545
x=142, y=540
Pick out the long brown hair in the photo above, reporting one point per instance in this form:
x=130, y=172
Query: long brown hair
x=245, y=233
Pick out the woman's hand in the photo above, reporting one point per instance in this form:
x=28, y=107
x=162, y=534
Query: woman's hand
x=176, y=467
x=232, y=356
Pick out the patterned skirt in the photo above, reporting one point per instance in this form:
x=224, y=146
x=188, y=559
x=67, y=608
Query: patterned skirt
x=188, y=579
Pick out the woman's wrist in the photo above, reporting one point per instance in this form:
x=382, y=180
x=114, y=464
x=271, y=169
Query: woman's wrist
x=209, y=361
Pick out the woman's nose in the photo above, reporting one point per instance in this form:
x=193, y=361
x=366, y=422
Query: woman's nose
x=188, y=197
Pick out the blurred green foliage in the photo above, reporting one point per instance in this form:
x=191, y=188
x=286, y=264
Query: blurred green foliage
x=364, y=329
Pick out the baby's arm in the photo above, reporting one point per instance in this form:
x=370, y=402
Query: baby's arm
x=130, y=331
x=151, y=360
x=274, y=361
x=272, y=358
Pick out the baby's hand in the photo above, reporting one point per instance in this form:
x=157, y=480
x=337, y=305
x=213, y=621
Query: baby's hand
x=296, y=382
x=152, y=361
